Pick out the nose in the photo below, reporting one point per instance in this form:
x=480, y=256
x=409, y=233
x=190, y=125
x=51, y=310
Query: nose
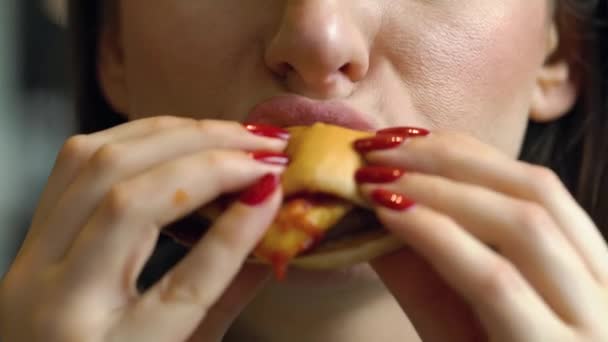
x=318, y=48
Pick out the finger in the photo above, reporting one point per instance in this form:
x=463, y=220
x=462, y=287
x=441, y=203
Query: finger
x=221, y=316
x=427, y=299
x=77, y=150
x=521, y=231
x=73, y=155
x=121, y=234
x=115, y=162
x=502, y=299
x=175, y=306
x=465, y=159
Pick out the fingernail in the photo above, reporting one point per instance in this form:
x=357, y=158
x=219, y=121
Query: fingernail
x=379, y=142
x=267, y=131
x=378, y=174
x=406, y=132
x=392, y=200
x=261, y=190
x=269, y=157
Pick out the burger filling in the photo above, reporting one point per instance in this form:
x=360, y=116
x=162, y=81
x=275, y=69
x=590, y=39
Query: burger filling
x=304, y=224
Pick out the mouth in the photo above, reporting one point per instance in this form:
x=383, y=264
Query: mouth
x=293, y=110
x=323, y=223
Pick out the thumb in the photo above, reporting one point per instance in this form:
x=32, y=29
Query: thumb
x=437, y=312
x=240, y=292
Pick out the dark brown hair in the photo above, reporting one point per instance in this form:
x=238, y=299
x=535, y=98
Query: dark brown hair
x=575, y=146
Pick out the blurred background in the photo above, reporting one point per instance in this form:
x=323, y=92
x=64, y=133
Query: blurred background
x=35, y=110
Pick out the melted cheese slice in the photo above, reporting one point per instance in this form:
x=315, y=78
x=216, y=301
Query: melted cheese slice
x=322, y=161
x=299, y=225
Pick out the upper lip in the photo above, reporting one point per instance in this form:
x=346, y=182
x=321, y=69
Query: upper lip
x=292, y=110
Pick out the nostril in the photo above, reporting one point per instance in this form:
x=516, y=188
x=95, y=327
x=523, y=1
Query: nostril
x=283, y=69
x=346, y=68
x=353, y=71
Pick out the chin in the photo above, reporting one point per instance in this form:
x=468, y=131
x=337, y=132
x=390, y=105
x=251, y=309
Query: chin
x=356, y=276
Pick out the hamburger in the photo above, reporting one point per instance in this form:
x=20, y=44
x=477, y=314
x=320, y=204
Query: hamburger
x=323, y=222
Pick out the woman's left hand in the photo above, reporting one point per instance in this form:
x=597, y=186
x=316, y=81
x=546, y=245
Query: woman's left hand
x=497, y=248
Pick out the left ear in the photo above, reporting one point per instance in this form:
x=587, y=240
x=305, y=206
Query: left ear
x=555, y=92
x=112, y=71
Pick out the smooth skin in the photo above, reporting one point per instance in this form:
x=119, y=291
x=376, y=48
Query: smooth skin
x=474, y=73
x=514, y=255
x=107, y=199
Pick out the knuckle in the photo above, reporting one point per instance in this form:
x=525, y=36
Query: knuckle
x=232, y=166
x=446, y=150
x=533, y=219
x=119, y=201
x=218, y=159
x=109, y=156
x=209, y=127
x=447, y=154
x=205, y=126
x=76, y=147
x=436, y=186
x=542, y=179
x=229, y=242
x=542, y=173
x=499, y=280
x=164, y=122
x=181, y=291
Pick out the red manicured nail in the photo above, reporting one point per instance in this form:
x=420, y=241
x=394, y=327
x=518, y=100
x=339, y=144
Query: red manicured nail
x=379, y=142
x=269, y=157
x=407, y=132
x=378, y=174
x=260, y=191
x=392, y=200
x=268, y=131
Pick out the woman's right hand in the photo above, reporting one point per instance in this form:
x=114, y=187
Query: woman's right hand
x=108, y=197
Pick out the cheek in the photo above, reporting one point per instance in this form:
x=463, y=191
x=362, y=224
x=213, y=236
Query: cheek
x=181, y=54
x=474, y=69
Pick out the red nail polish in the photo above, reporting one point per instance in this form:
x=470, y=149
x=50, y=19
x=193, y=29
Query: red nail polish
x=378, y=174
x=408, y=132
x=379, y=142
x=267, y=131
x=392, y=200
x=269, y=157
x=260, y=191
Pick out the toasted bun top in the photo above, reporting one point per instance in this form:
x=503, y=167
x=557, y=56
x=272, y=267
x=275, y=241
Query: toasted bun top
x=323, y=160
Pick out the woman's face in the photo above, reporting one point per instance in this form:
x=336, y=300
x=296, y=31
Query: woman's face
x=468, y=65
